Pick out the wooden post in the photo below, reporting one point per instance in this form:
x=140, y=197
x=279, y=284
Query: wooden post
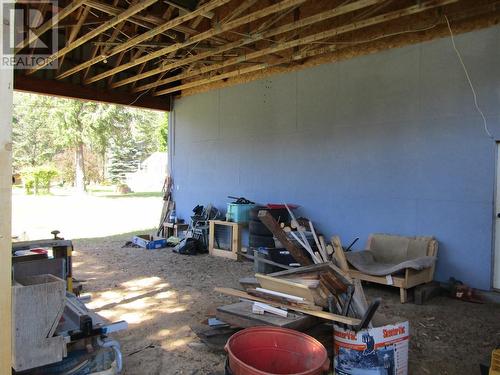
x=6, y=85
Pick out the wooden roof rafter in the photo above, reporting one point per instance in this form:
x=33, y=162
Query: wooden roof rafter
x=46, y=26
x=219, y=29
x=258, y=35
x=160, y=51
x=89, y=36
x=143, y=37
x=424, y=6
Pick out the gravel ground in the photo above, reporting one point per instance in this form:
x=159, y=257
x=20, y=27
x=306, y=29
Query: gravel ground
x=162, y=295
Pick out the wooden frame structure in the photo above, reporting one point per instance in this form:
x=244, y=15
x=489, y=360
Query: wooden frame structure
x=235, y=239
x=410, y=279
x=143, y=52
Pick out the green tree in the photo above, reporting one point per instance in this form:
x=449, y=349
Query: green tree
x=32, y=131
x=125, y=158
x=47, y=128
x=73, y=118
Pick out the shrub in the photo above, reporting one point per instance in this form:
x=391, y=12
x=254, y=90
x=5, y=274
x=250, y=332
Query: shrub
x=38, y=178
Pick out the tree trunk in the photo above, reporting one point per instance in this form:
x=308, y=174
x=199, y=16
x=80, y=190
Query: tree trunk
x=103, y=170
x=79, y=168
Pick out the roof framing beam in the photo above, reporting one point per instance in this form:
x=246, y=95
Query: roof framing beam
x=419, y=8
x=59, y=16
x=208, y=15
x=69, y=90
x=92, y=34
x=219, y=29
x=143, y=37
x=323, y=16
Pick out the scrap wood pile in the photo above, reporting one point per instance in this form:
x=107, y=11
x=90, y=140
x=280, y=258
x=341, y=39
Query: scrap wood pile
x=309, y=290
x=322, y=283
x=300, y=238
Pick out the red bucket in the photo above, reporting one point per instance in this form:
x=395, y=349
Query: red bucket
x=272, y=350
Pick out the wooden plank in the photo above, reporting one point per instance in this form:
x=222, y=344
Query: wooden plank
x=294, y=43
x=284, y=4
x=6, y=86
x=92, y=34
x=256, y=36
x=338, y=253
x=240, y=315
x=69, y=90
x=37, y=306
x=164, y=26
x=263, y=260
x=359, y=298
x=318, y=314
x=284, y=286
x=59, y=16
x=271, y=224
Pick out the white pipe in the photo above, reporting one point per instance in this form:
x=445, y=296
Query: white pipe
x=108, y=343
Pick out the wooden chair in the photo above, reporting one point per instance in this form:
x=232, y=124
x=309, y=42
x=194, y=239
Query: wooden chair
x=409, y=277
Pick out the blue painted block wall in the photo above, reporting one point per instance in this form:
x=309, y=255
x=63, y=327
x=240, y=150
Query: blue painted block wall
x=389, y=143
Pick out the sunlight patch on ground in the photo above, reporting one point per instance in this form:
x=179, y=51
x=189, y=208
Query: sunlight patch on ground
x=137, y=301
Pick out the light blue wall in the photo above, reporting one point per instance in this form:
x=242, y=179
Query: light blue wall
x=389, y=142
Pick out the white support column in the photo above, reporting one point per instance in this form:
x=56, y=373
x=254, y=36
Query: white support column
x=6, y=87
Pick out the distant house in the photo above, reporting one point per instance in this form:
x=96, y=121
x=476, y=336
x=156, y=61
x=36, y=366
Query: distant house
x=150, y=175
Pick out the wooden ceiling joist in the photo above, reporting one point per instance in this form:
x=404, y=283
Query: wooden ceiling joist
x=92, y=34
x=219, y=29
x=258, y=35
x=143, y=50
x=424, y=6
x=75, y=30
x=208, y=15
x=142, y=38
x=56, y=18
x=145, y=21
x=69, y=90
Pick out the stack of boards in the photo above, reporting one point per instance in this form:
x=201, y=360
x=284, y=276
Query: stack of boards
x=301, y=293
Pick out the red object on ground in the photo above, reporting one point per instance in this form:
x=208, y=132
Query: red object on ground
x=39, y=251
x=277, y=206
x=273, y=350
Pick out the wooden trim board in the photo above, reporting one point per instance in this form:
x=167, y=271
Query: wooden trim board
x=285, y=286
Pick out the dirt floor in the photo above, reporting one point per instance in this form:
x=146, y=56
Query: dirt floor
x=162, y=295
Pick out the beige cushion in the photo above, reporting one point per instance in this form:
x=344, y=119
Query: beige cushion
x=396, y=249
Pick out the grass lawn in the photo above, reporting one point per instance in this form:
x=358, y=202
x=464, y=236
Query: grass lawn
x=98, y=213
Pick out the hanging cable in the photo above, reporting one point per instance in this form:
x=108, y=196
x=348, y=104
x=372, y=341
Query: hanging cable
x=476, y=104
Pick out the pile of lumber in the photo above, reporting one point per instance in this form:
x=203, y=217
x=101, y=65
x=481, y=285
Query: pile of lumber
x=300, y=238
x=168, y=205
x=308, y=290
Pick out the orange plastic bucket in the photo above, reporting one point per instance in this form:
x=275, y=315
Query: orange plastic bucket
x=272, y=351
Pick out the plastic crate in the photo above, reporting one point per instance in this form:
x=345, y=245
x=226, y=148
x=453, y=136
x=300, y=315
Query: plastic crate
x=239, y=213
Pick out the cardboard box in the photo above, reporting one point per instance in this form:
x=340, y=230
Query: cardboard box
x=149, y=242
x=375, y=351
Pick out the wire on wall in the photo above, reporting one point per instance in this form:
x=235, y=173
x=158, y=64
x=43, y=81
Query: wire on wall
x=474, y=94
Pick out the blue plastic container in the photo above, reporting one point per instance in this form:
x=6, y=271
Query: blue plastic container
x=239, y=213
